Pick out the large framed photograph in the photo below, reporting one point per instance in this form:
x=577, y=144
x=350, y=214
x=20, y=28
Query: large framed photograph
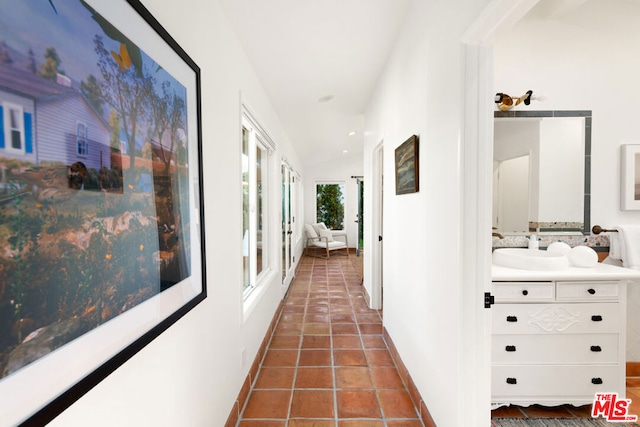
x=101, y=229
x=630, y=177
x=407, y=172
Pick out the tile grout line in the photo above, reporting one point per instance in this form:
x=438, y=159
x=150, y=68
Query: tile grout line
x=364, y=350
x=300, y=342
x=333, y=361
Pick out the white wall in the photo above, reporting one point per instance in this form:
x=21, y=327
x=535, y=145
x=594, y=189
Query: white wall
x=419, y=93
x=583, y=62
x=571, y=61
x=191, y=374
x=338, y=171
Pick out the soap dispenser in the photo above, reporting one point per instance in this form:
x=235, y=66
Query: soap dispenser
x=533, y=242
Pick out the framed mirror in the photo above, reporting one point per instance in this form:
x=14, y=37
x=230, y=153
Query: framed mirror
x=542, y=172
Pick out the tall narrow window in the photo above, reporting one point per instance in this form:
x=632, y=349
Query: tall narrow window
x=14, y=127
x=255, y=196
x=330, y=205
x=245, y=208
x=261, y=214
x=82, y=138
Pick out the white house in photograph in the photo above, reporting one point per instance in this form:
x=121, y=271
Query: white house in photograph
x=47, y=121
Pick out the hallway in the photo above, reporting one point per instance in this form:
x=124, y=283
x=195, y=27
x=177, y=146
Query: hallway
x=327, y=364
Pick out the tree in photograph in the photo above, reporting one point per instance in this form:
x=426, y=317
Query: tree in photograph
x=330, y=205
x=50, y=68
x=114, y=124
x=123, y=88
x=181, y=153
x=90, y=88
x=166, y=114
x=176, y=110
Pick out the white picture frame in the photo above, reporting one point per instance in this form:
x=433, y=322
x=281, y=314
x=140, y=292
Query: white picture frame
x=630, y=177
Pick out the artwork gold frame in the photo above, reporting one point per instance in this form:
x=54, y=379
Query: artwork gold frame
x=407, y=170
x=103, y=191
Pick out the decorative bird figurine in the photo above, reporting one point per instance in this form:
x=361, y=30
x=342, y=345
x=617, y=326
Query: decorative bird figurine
x=506, y=102
x=55, y=184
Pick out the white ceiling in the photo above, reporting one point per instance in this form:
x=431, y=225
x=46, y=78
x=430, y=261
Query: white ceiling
x=304, y=50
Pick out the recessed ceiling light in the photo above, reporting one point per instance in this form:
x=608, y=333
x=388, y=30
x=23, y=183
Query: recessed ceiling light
x=326, y=98
x=345, y=151
x=353, y=132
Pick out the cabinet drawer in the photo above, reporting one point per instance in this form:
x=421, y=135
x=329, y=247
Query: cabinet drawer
x=523, y=291
x=556, y=318
x=566, y=383
x=559, y=349
x=587, y=291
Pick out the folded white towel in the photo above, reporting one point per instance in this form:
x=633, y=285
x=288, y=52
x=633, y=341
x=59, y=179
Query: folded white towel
x=629, y=244
x=614, y=246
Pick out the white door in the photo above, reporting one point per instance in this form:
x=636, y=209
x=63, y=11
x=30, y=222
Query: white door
x=377, y=221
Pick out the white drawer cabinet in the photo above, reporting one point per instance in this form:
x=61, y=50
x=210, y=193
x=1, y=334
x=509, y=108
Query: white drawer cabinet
x=555, y=349
x=557, y=342
x=552, y=385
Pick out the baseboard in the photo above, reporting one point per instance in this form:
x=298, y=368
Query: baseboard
x=418, y=402
x=234, y=415
x=367, y=298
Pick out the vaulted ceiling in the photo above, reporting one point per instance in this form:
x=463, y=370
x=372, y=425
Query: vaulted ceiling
x=319, y=62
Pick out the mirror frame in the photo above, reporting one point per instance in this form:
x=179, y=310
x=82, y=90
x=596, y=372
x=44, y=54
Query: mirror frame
x=587, y=114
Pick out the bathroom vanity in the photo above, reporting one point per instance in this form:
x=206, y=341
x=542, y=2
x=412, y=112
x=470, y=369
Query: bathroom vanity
x=558, y=337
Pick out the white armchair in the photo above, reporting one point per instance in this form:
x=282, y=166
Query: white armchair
x=319, y=237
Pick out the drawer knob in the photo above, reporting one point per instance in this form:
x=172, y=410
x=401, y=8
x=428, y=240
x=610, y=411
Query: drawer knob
x=525, y=292
x=591, y=291
x=510, y=348
x=596, y=380
x=512, y=381
x=596, y=348
x=512, y=318
x=596, y=318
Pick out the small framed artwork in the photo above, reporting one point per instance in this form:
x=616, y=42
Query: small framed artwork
x=407, y=171
x=630, y=177
x=101, y=246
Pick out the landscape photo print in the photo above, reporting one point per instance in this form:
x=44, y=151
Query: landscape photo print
x=101, y=227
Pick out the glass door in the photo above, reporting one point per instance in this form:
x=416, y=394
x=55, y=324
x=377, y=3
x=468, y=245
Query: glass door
x=288, y=224
x=360, y=219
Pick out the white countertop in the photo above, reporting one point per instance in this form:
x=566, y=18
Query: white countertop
x=599, y=272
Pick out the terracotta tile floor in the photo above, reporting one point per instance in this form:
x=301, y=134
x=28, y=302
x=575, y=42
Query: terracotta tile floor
x=327, y=363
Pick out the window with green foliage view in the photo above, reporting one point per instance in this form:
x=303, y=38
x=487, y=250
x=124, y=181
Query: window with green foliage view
x=330, y=205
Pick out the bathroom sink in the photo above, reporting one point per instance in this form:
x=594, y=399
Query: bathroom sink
x=530, y=259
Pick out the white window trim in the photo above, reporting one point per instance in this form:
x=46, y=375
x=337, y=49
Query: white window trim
x=86, y=139
x=258, y=138
x=7, y=107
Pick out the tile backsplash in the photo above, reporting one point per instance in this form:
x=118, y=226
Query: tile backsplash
x=597, y=242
